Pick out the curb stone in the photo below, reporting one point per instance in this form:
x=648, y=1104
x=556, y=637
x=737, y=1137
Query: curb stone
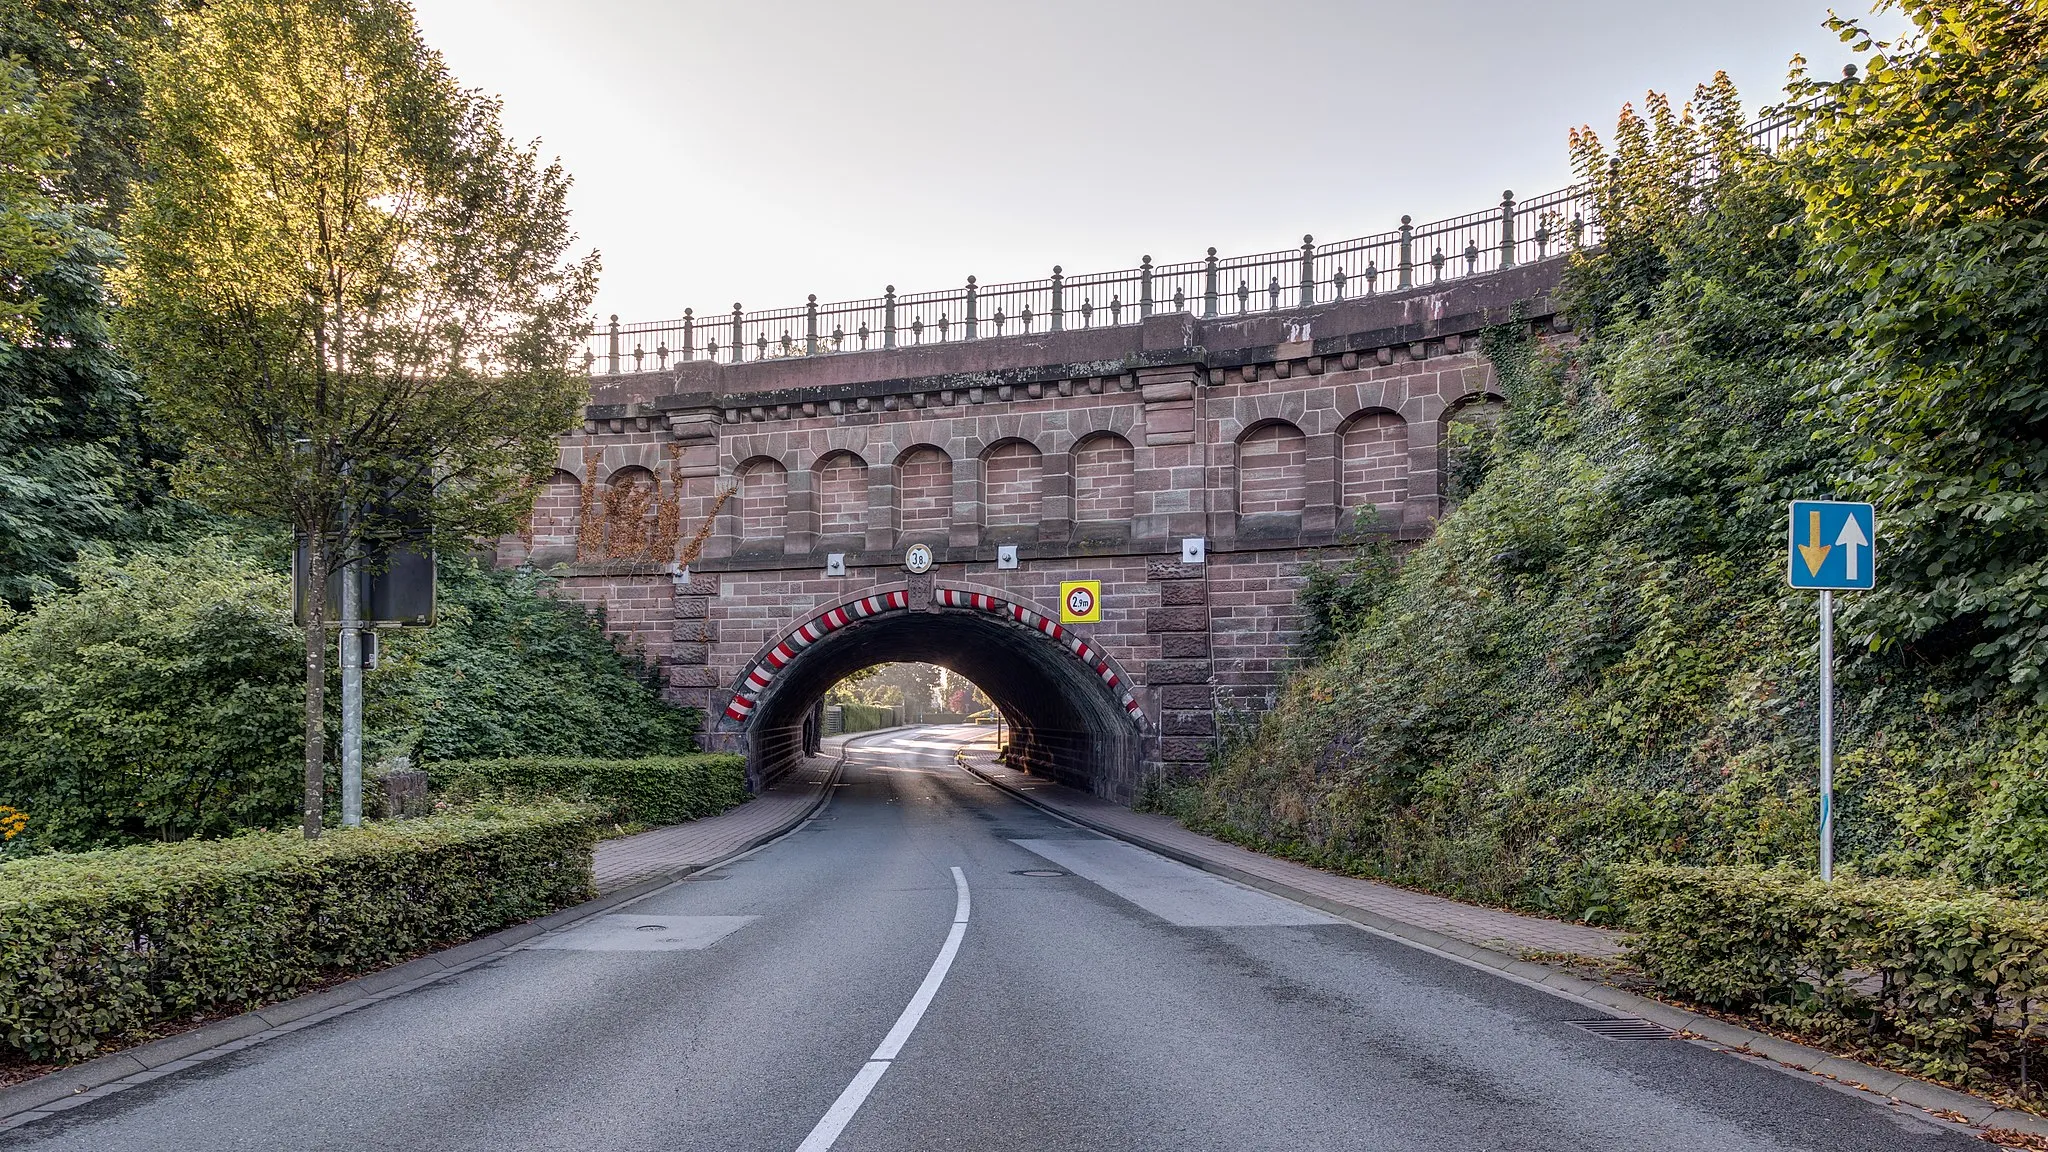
x=72, y=1086
x=1852, y=1074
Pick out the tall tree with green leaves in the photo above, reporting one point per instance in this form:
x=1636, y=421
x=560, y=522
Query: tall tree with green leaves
x=347, y=289
x=65, y=396
x=1925, y=183
x=92, y=48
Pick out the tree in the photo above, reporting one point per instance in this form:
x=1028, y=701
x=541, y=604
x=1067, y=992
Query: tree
x=91, y=48
x=65, y=396
x=347, y=290
x=1926, y=186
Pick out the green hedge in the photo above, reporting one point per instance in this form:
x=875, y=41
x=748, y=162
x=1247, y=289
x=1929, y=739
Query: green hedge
x=1948, y=980
x=865, y=717
x=652, y=790
x=98, y=946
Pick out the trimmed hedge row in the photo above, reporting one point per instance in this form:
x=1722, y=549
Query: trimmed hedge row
x=97, y=946
x=652, y=790
x=865, y=717
x=1946, y=979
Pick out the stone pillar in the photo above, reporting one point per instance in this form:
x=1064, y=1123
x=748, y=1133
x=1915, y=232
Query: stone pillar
x=1322, y=487
x=800, y=519
x=1056, y=498
x=1170, y=473
x=1425, y=471
x=692, y=681
x=881, y=507
x=1183, y=679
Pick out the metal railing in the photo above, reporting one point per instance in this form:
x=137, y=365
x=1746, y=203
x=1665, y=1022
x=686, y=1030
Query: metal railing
x=1411, y=256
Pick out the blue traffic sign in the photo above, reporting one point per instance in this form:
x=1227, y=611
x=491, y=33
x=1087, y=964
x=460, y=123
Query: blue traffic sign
x=1832, y=545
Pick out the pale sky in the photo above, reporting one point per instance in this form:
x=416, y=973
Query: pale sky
x=757, y=152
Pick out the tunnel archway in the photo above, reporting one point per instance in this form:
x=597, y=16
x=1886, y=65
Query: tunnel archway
x=1072, y=712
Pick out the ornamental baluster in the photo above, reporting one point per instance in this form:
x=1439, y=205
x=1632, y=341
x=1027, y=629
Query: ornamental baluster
x=1507, y=229
x=1308, y=270
x=1145, y=287
x=612, y=358
x=972, y=321
x=739, y=335
x=1407, y=266
x=1059, y=308
x=889, y=317
x=689, y=334
x=1209, y=285
x=811, y=326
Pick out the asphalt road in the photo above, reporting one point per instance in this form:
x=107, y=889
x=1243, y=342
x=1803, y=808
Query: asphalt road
x=1123, y=1002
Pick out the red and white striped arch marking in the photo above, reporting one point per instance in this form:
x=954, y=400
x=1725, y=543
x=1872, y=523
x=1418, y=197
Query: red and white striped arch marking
x=778, y=657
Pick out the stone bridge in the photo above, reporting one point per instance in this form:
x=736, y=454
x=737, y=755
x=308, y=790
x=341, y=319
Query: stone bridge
x=1096, y=452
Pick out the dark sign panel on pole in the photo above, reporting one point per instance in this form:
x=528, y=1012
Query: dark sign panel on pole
x=398, y=588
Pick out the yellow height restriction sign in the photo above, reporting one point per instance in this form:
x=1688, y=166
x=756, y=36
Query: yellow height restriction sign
x=1080, y=601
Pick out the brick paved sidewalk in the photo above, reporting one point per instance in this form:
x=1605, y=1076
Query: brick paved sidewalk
x=1489, y=928
x=682, y=847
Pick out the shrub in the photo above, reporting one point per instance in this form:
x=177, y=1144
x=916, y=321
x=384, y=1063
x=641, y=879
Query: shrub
x=511, y=671
x=653, y=790
x=105, y=945
x=163, y=698
x=865, y=717
x=1946, y=979
x=160, y=700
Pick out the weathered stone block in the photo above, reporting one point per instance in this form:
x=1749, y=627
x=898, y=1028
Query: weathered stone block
x=1191, y=619
x=692, y=607
x=689, y=653
x=1176, y=723
x=695, y=632
x=1184, y=645
x=1195, y=748
x=693, y=676
x=1185, y=695
x=1183, y=593
x=1176, y=672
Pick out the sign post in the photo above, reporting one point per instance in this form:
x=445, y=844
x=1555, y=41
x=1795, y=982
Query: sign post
x=1831, y=547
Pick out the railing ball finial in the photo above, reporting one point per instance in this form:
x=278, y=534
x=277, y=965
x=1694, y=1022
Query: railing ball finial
x=812, y=298
x=1212, y=249
x=970, y=279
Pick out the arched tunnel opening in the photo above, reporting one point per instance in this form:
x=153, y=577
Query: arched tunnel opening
x=1063, y=721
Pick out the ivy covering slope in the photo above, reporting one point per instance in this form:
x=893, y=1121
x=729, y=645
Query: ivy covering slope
x=1595, y=660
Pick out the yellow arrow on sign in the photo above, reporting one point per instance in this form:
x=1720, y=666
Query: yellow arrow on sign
x=1814, y=553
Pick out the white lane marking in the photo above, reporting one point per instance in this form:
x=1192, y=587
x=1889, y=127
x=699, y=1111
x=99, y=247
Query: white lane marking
x=1170, y=890
x=856, y=1093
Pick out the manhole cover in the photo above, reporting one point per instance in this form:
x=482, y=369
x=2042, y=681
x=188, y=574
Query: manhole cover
x=1038, y=872
x=1613, y=1028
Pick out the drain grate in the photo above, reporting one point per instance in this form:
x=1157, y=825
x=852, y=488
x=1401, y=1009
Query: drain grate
x=1039, y=872
x=1619, y=1028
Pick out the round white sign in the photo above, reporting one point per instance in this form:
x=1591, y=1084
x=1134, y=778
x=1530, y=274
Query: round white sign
x=1080, y=602
x=918, y=558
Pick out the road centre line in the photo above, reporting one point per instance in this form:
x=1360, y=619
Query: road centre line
x=856, y=1092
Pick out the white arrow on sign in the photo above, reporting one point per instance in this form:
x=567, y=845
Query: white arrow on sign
x=1852, y=538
